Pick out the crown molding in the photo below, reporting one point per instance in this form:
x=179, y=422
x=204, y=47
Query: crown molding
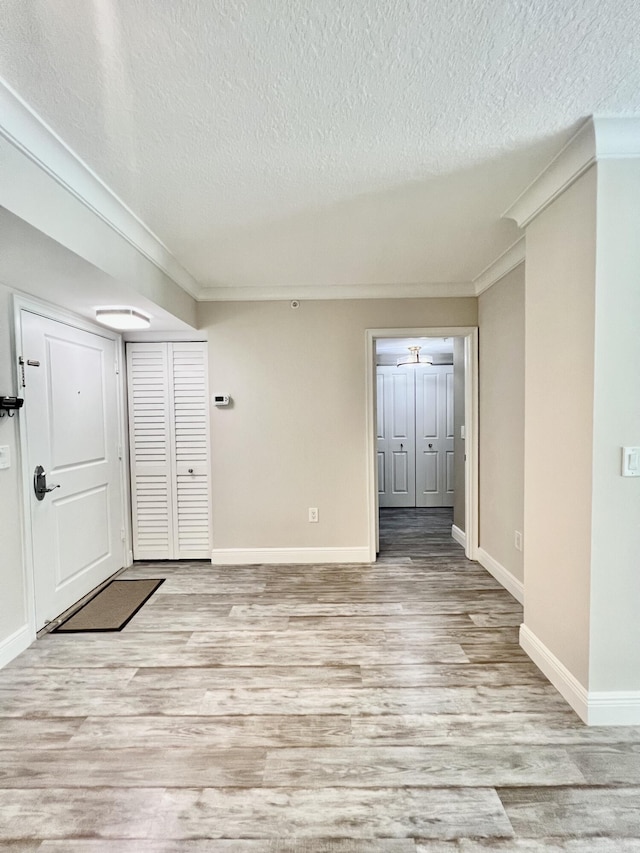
x=599, y=138
x=25, y=130
x=357, y=291
x=503, y=265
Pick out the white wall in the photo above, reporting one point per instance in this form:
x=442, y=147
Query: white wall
x=296, y=434
x=559, y=346
x=501, y=401
x=615, y=549
x=13, y=610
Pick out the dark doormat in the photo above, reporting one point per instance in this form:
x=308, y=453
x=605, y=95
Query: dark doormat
x=112, y=608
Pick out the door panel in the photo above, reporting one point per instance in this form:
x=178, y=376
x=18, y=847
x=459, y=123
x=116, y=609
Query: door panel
x=449, y=405
x=427, y=399
x=150, y=441
x=71, y=411
x=191, y=437
x=434, y=439
x=450, y=472
x=396, y=437
x=427, y=479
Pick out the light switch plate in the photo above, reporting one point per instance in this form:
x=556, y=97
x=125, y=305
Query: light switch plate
x=631, y=461
x=5, y=456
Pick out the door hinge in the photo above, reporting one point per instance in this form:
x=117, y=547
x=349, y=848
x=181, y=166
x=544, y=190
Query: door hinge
x=120, y=453
x=116, y=367
x=122, y=534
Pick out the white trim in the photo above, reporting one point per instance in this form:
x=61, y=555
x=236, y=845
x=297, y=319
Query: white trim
x=459, y=535
x=289, y=556
x=595, y=708
x=16, y=643
x=503, y=265
x=502, y=575
x=599, y=138
x=44, y=309
x=471, y=445
x=617, y=137
x=25, y=130
x=302, y=292
x=565, y=168
x=614, y=708
x=557, y=673
x=470, y=335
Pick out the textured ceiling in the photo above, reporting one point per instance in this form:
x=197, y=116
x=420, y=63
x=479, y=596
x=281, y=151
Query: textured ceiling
x=326, y=143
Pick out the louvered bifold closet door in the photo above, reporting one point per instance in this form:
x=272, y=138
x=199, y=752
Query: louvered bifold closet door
x=169, y=438
x=192, y=519
x=150, y=448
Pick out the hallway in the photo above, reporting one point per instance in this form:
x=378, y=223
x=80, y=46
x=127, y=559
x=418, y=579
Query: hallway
x=309, y=709
x=417, y=532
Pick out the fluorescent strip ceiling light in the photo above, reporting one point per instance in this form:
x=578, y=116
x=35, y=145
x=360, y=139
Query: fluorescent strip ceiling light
x=122, y=319
x=414, y=359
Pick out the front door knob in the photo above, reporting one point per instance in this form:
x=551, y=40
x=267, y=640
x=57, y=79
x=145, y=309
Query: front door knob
x=40, y=483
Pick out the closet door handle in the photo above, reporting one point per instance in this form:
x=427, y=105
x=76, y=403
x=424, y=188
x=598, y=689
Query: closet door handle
x=191, y=470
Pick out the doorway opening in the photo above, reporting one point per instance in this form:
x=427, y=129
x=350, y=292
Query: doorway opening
x=422, y=425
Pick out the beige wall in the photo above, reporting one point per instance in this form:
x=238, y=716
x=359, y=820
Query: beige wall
x=296, y=434
x=615, y=569
x=458, y=442
x=559, y=335
x=501, y=393
x=13, y=613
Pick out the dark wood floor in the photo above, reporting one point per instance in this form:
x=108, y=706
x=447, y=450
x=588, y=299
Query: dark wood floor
x=300, y=709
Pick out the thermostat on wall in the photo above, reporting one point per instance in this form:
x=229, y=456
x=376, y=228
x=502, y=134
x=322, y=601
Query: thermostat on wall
x=220, y=399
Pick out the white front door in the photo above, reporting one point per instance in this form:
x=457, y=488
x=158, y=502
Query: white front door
x=434, y=436
x=396, y=437
x=71, y=412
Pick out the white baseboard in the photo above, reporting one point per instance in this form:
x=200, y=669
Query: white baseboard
x=565, y=683
x=502, y=575
x=459, y=535
x=614, y=708
x=253, y=556
x=15, y=644
x=595, y=708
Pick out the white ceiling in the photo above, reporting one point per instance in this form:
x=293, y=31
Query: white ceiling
x=396, y=347
x=322, y=144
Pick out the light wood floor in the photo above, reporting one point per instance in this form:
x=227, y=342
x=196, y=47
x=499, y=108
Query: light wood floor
x=376, y=709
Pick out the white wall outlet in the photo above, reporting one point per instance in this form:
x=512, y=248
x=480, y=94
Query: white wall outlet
x=518, y=540
x=313, y=514
x=5, y=456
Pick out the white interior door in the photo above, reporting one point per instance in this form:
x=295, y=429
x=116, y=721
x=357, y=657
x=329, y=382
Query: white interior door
x=150, y=450
x=71, y=411
x=434, y=436
x=169, y=441
x=396, y=437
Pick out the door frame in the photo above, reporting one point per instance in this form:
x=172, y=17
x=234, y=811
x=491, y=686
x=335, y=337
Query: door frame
x=470, y=335
x=53, y=312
